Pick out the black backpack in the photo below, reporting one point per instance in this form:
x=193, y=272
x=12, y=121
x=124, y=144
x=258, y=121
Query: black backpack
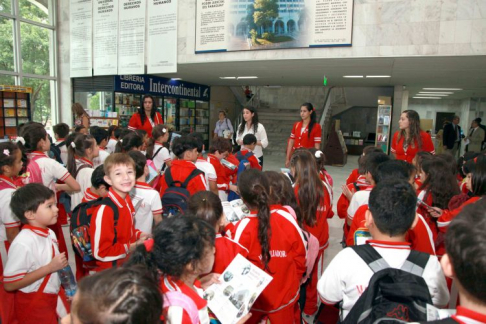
x=175, y=198
x=80, y=223
x=393, y=295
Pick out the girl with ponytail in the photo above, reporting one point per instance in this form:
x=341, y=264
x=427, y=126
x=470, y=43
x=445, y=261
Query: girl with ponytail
x=156, y=148
x=315, y=203
x=130, y=142
x=82, y=149
x=276, y=245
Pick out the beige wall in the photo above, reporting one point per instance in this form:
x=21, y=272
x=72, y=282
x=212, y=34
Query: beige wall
x=222, y=98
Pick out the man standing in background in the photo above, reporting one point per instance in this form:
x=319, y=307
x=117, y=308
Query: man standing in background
x=452, y=137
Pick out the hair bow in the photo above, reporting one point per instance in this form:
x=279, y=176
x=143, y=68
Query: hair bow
x=318, y=154
x=73, y=145
x=6, y=152
x=19, y=139
x=149, y=244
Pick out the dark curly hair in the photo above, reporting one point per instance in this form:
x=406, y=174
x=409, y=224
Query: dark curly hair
x=440, y=182
x=178, y=241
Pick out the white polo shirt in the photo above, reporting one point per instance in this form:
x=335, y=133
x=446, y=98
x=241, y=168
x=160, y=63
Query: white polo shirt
x=100, y=159
x=359, y=199
x=162, y=157
x=7, y=217
x=146, y=202
x=347, y=276
x=51, y=170
x=33, y=248
x=208, y=169
x=110, y=147
x=84, y=179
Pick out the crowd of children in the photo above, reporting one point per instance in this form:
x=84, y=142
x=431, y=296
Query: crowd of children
x=157, y=235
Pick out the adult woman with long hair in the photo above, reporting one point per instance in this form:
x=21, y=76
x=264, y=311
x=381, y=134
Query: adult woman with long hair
x=410, y=139
x=250, y=125
x=81, y=117
x=305, y=133
x=147, y=116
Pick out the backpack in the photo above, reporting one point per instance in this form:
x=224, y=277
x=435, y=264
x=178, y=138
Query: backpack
x=80, y=224
x=56, y=151
x=175, y=198
x=34, y=174
x=242, y=166
x=177, y=298
x=393, y=295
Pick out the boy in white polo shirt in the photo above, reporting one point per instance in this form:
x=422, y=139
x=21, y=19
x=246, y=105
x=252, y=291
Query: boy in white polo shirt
x=205, y=166
x=146, y=200
x=34, y=258
x=391, y=214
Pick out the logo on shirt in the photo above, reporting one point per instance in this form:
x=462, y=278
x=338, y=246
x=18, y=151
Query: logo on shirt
x=400, y=312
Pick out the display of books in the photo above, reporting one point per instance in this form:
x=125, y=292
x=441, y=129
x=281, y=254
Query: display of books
x=235, y=210
x=241, y=284
x=8, y=103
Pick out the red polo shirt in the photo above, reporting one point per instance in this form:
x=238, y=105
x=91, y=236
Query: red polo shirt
x=302, y=138
x=180, y=170
x=136, y=123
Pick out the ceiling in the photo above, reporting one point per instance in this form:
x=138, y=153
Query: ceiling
x=466, y=72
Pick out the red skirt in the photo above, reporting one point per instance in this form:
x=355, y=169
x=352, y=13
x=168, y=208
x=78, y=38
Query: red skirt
x=35, y=308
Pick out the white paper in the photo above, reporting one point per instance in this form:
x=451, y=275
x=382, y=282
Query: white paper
x=105, y=37
x=235, y=210
x=162, y=36
x=241, y=284
x=332, y=22
x=228, y=164
x=131, y=37
x=211, y=21
x=81, y=38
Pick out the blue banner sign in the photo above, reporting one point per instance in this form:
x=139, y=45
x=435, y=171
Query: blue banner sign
x=147, y=84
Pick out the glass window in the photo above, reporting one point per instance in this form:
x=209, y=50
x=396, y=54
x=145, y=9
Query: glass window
x=7, y=79
x=34, y=43
x=36, y=10
x=6, y=45
x=6, y=6
x=40, y=99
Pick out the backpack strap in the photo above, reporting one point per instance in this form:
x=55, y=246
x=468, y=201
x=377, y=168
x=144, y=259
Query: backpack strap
x=356, y=187
x=168, y=178
x=191, y=176
x=372, y=258
x=60, y=144
x=177, y=298
x=153, y=157
x=416, y=262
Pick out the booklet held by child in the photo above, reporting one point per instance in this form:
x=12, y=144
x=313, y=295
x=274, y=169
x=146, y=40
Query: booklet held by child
x=241, y=284
x=235, y=210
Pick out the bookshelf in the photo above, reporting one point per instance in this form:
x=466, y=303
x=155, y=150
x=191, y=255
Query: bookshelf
x=14, y=108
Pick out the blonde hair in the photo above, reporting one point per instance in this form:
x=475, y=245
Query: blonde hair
x=78, y=109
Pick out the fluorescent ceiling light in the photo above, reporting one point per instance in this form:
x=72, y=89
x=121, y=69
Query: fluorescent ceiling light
x=427, y=98
x=246, y=77
x=445, y=89
x=437, y=92
x=432, y=94
x=378, y=76
x=176, y=79
x=353, y=76
x=228, y=78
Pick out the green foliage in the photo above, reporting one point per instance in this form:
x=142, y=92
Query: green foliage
x=253, y=34
x=6, y=45
x=265, y=11
x=94, y=101
x=268, y=36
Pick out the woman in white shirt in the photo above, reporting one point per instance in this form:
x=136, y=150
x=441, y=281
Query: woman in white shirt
x=252, y=126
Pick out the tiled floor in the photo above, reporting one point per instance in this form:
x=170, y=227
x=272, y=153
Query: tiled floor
x=339, y=175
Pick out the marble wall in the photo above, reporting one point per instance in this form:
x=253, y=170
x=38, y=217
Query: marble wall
x=381, y=28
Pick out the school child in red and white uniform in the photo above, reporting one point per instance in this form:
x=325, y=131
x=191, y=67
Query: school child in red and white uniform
x=34, y=257
x=305, y=133
x=207, y=206
x=464, y=261
x=347, y=276
x=61, y=131
x=283, y=254
x=101, y=137
x=82, y=149
x=108, y=252
x=99, y=187
x=144, y=197
x=249, y=144
x=10, y=166
x=34, y=141
x=313, y=198
x=203, y=165
x=185, y=148
x=156, y=151
x=112, y=132
x=218, y=150
x=188, y=261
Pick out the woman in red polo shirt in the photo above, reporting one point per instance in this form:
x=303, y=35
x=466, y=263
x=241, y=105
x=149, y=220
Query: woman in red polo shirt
x=147, y=116
x=410, y=139
x=305, y=133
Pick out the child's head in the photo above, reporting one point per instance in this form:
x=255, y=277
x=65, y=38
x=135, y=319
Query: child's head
x=419, y=158
x=200, y=141
x=362, y=158
x=254, y=190
x=100, y=135
x=207, y=206
x=466, y=254
x=81, y=129
x=250, y=141
x=185, y=148
x=281, y=191
x=392, y=169
x=182, y=246
x=120, y=172
x=98, y=181
x=320, y=158
x=111, y=130
x=120, y=132
x=438, y=180
x=35, y=204
x=160, y=133
x=129, y=142
x=392, y=205
x=477, y=178
x=144, y=136
x=117, y=295
x=83, y=146
x=10, y=159
x=140, y=160
x=61, y=130
x=450, y=160
x=35, y=137
x=220, y=147
x=372, y=161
